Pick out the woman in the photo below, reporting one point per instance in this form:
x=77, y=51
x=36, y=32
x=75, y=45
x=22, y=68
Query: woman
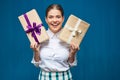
x=54, y=57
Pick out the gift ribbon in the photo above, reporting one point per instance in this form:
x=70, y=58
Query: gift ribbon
x=74, y=30
x=35, y=28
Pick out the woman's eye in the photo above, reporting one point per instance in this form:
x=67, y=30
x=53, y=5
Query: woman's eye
x=58, y=16
x=50, y=17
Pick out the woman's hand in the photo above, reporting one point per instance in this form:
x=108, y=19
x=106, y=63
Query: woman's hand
x=35, y=47
x=73, y=50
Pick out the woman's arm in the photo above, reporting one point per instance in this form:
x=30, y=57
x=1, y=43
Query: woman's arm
x=36, y=56
x=36, y=48
x=73, y=50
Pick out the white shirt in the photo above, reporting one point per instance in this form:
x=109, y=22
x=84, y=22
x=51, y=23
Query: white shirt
x=54, y=54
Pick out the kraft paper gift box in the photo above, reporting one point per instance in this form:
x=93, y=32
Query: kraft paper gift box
x=74, y=30
x=33, y=27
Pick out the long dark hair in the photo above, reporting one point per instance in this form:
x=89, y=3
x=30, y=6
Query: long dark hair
x=55, y=6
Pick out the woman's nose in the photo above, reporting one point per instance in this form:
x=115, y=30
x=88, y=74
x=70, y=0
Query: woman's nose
x=54, y=19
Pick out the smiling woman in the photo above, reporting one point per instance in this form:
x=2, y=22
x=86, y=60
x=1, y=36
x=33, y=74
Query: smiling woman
x=54, y=17
x=54, y=57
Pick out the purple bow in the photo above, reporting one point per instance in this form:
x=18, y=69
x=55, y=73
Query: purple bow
x=33, y=29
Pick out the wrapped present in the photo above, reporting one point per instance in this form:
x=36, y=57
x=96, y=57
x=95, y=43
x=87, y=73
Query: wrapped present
x=74, y=30
x=33, y=27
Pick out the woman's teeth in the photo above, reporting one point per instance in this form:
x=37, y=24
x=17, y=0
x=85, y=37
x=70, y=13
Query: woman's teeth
x=54, y=24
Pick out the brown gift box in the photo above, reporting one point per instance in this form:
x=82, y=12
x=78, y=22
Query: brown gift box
x=74, y=30
x=33, y=27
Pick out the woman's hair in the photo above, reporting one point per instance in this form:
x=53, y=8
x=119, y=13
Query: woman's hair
x=55, y=6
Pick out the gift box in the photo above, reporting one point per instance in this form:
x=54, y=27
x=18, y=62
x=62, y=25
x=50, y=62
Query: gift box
x=74, y=30
x=33, y=27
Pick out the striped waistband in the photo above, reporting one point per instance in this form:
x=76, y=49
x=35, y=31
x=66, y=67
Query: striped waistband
x=64, y=75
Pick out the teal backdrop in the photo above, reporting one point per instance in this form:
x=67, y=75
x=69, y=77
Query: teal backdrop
x=99, y=56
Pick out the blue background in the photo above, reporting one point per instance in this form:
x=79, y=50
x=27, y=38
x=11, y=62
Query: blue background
x=99, y=57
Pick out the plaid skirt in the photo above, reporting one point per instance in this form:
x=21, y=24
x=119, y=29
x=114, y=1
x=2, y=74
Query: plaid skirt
x=65, y=75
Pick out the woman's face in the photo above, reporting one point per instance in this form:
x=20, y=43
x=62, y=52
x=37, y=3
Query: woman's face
x=54, y=20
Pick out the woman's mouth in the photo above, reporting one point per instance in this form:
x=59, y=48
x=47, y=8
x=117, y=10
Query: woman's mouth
x=55, y=25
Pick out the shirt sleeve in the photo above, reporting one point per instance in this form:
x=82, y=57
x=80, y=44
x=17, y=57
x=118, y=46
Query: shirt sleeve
x=74, y=62
x=35, y=63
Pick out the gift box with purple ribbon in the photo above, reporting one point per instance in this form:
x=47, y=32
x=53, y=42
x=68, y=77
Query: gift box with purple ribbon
x=33, y=27
x=74, y=30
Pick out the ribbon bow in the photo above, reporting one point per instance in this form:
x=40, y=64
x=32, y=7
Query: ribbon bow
x=33, y=29
x=74, y=31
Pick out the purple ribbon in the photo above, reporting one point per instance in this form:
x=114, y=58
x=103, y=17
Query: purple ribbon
x=35, y=28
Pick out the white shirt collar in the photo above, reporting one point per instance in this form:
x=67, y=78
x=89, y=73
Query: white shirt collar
x=51, y=34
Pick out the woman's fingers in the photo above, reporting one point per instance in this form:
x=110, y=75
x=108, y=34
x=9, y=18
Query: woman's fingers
x=74, y=46
x=31, y=45
x=38, y=45
x=35, y=46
